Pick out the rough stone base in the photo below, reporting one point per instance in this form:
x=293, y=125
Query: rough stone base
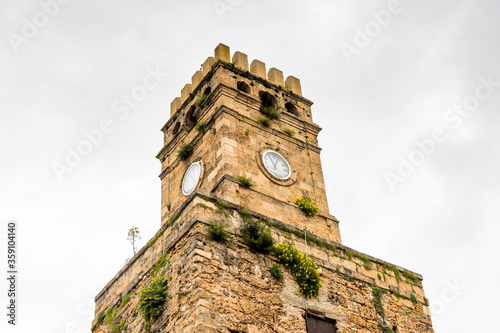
x=218, y=287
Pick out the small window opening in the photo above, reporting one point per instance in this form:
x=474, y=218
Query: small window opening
x=292, y=109
x=243, y=87
x=176, y=128
x=207, y=91
x=190, y=119
x=268, y=100
x=395, y=329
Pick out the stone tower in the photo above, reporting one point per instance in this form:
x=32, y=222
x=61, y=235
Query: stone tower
x=240, y=147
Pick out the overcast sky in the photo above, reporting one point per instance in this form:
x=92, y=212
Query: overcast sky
x=407, y=93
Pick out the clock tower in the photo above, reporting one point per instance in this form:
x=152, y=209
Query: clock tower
x=245, y=124
x=246, y=242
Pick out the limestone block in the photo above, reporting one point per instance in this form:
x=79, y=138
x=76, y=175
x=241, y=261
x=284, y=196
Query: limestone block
x=258, y=68
x=207, y=65
x=188, y=88
x=221, y=52
x=275, y=76
x=349, y=265
x=293, y=84
x=196, y=79
x=176, y=104
x=240, y=60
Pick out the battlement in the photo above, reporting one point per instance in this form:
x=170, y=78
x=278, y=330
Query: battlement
x=239, y=60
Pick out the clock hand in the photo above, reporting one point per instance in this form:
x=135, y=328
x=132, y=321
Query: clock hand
x=275, y=161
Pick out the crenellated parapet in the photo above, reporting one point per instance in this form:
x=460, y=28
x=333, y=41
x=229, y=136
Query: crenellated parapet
x=240, y=61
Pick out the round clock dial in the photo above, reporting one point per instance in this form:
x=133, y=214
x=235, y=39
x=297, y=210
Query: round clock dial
x=276, y=164
x=191, y=178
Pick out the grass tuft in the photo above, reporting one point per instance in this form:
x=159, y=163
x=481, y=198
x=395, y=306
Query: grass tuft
x=185, y=150
x=276, y=272
x=265, y=121
x=246, y=181
x=269, y=112
x=200, y=127
x=217, y=231
x=201, y=100
x=256, y=236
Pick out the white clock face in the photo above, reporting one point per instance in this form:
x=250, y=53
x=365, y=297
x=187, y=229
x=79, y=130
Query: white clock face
x=191, y=178
x=276, y=164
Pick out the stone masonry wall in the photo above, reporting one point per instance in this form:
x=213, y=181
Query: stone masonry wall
x=217, y=287
x=233, y=143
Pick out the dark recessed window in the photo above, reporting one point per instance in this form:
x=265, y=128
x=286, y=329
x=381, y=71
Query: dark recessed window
x=190, y=118
x=243, y=87
x=317, y=324
x=292, y=109
x=207, y=91
x=268, y=100
x=176, y=128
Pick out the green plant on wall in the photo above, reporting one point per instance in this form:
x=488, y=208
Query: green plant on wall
x=246, y=181
x=200, y=100
x=185, y=150
x=265, y=121
x=269, y=112
x=100, y=320
x=161, y=263
x=124, y=302
x=152, y=299
x=377, y=303
x=303, y=268
x=200, y=127
x=110, y=317
x=256, y=236
x=276, y=272
x=120, y=327
x=217, y=231
x=385, y=329
x=377, y=300
x=307, y=206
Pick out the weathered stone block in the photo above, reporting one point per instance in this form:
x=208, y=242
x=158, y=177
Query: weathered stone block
x=258, y=68
x=207, y=65
x=293, y=84
x=175, y=105
x=275, y=76
x=221, y=52
x=196, y=79
x=188, y=88
x=240, y=60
